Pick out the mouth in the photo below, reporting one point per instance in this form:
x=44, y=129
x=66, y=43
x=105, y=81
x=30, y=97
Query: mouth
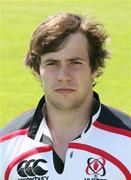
x=64, y=90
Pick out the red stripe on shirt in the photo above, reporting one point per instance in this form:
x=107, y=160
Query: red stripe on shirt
x=112, y=129
x=14, y=134
x=103, y=154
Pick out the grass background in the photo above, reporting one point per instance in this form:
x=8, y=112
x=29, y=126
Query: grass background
x=20, y=91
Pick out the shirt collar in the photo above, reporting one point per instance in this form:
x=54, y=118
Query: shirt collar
x=39, y=130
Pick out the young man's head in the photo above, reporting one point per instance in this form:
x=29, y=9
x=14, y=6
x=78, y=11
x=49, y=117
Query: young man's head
x=67, y=52
x=51, y=34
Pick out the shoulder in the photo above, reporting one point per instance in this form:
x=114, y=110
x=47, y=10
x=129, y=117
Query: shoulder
x=125, y=118
x=19, y=123
x=113, y=120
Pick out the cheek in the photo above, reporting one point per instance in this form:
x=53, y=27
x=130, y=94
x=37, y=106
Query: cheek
x=47, y=73
x=84, y=76
x=47, y=80
x=85, y=82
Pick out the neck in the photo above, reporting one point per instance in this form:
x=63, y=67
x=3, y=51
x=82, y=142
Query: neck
x=68, y=122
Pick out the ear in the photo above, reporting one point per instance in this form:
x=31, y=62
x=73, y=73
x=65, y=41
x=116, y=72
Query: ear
x=37, y=75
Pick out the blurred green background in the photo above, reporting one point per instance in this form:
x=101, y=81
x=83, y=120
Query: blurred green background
x=20, y=91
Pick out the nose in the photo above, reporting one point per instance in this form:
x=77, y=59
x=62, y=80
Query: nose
x=63, y=74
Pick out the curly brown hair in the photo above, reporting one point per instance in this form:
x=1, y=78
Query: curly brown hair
x=52, y=32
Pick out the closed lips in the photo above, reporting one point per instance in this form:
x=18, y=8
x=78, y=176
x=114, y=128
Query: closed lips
x=64, y=90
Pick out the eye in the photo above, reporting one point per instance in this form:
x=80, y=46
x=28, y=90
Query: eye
x=51, y=63
x=76, y=62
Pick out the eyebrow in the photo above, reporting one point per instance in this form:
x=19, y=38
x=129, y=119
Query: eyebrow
x=70, y=59
x=76, y=58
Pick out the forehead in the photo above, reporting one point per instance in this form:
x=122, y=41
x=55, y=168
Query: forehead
x=75, y=45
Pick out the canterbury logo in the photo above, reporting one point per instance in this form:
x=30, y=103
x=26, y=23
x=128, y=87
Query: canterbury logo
x=32, y=168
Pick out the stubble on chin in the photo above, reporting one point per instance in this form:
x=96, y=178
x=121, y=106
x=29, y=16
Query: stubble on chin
x=66, y=103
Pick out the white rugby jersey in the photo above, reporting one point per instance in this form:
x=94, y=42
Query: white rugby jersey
x=101, y=152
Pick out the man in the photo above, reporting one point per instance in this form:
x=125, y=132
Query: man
x=71, y=135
